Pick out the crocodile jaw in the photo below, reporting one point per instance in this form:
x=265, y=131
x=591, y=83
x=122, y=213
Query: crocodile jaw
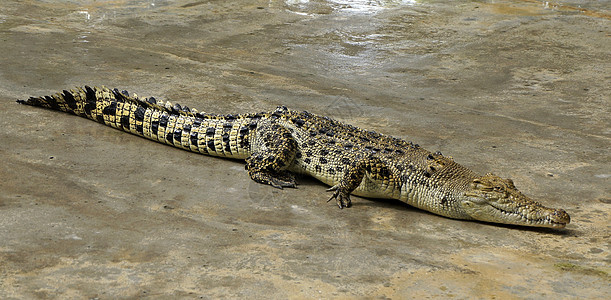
x=493, y=199
x=538, y=216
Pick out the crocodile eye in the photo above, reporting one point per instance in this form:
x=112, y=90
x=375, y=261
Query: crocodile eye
x=483, y=187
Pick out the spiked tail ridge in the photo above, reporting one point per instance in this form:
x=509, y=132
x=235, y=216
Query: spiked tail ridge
x=84, y=102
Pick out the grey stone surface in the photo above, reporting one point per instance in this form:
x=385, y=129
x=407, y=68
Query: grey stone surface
x=520, y=88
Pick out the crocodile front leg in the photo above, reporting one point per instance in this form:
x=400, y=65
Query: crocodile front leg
x=272, y=152
x=351, y=180
x=367, y=168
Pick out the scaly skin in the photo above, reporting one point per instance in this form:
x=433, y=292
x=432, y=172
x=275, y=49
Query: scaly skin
x=279, y=143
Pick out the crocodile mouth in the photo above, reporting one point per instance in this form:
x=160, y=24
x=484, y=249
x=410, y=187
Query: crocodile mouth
x=523, y=219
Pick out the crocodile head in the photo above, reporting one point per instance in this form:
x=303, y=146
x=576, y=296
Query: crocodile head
x=490, y=198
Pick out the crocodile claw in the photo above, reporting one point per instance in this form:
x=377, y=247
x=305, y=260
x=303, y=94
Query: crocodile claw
x=341, y=197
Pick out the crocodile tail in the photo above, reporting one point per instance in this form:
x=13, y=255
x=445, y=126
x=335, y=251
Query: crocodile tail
x=111, y=107
x=90, y=102
x=87, y=102
x=170, y=124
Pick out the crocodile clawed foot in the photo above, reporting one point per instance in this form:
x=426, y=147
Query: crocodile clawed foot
x=281, y=184
x=279, y=180
x=341, y=197
x=284, y=179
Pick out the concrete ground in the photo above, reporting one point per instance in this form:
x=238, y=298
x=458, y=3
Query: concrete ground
x=519, y=88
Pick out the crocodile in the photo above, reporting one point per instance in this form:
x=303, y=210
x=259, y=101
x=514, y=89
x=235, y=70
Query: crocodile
x=279, y=144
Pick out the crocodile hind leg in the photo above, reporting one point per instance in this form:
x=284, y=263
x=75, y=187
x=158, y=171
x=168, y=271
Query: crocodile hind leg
x=272, y=152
